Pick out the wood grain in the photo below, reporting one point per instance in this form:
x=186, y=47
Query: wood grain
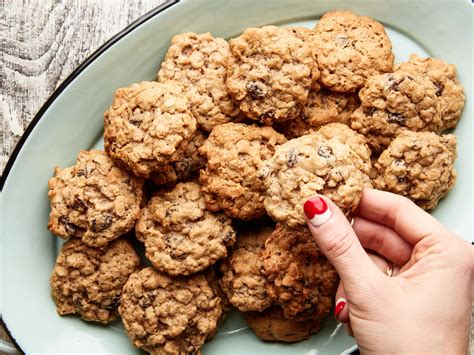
x=42, y=42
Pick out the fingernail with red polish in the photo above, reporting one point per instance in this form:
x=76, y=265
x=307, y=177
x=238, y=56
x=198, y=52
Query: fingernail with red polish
x=340, y=304
x=317, y=211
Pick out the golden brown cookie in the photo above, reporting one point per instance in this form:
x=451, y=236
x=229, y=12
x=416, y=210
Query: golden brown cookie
x=300, y=278
x=234, y=152
x=335, y=162
x=188, y=163
x=146, y=124
x=323, y=107
x=393, y=103
x=270, y=73
x=181, y=237
x=448, y=88
x=165, y=315
x=418, y=165
x=88, y=281
x=242, y=282
x=271, y=325
x=94, y=200
x=350, y=49
x=198, y=61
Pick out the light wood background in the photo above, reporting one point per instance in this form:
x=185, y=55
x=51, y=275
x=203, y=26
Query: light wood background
x=42, y=42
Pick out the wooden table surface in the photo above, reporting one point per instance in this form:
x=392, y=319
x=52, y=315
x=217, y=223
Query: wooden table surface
x=42, y=42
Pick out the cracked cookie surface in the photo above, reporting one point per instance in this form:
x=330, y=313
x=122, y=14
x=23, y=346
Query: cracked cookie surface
x=146, y=124
x=271, y=325
x=448, y=88
x=234, y=153
x=165, y=315
x=89, y=281
x=300, y=278
x=94, y=200
x=349, y=49
x=198, y=61
x=270, y=73
x=188, y=163
x=335, y=162
x=394, y=102
x=181, y=237
x=242, y=282
x=418, y=165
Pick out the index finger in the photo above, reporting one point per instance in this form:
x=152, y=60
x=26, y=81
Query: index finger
x=399, y=213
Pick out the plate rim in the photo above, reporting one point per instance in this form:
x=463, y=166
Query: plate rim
x=54, y=96
x=44, y=109
x=70, y=78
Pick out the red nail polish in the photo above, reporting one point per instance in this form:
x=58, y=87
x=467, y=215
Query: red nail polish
x=340, y=304
x=317, y=211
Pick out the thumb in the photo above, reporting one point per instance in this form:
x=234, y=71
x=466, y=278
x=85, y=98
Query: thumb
x=337, y=240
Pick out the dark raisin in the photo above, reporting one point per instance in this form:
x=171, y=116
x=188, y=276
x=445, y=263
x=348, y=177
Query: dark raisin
x=369, y=111
x=396, y=118
x=399, y=162
x=147, y=300
x=100, y=225
x=325, y=152
x=439, y=88
x=112, y=304
x=71, y=228
x=229, y=236
x=268, y=114
x=292, y=158
x=401, y=179
x=83, y=172
x=79, y=205
x=392, y=83
x=136, y=123
x=254, y=90
x=77, y=300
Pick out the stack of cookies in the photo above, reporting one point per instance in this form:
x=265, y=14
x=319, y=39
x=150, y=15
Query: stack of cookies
x=230, y=134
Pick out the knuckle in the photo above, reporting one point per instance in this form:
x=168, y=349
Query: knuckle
x=340, y=243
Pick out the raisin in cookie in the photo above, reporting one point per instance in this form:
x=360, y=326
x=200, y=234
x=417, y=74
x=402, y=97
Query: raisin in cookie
x=165, y=315
x=300, y=278
x=394, y=102
x=242, y=282
x=181, y=237
x=146, y=124
x=94, y=200
x=234, y=153
x=270, y=73
x=418, y=165
x=188, y=163
x=350, y=49
x=448, y=89
x=199, y=62
x=89, y=281
x=271, y=325
x=335, y=162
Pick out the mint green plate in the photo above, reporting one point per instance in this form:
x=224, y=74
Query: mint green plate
x=72, y=120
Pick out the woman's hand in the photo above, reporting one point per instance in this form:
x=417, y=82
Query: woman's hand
x=425, y=307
